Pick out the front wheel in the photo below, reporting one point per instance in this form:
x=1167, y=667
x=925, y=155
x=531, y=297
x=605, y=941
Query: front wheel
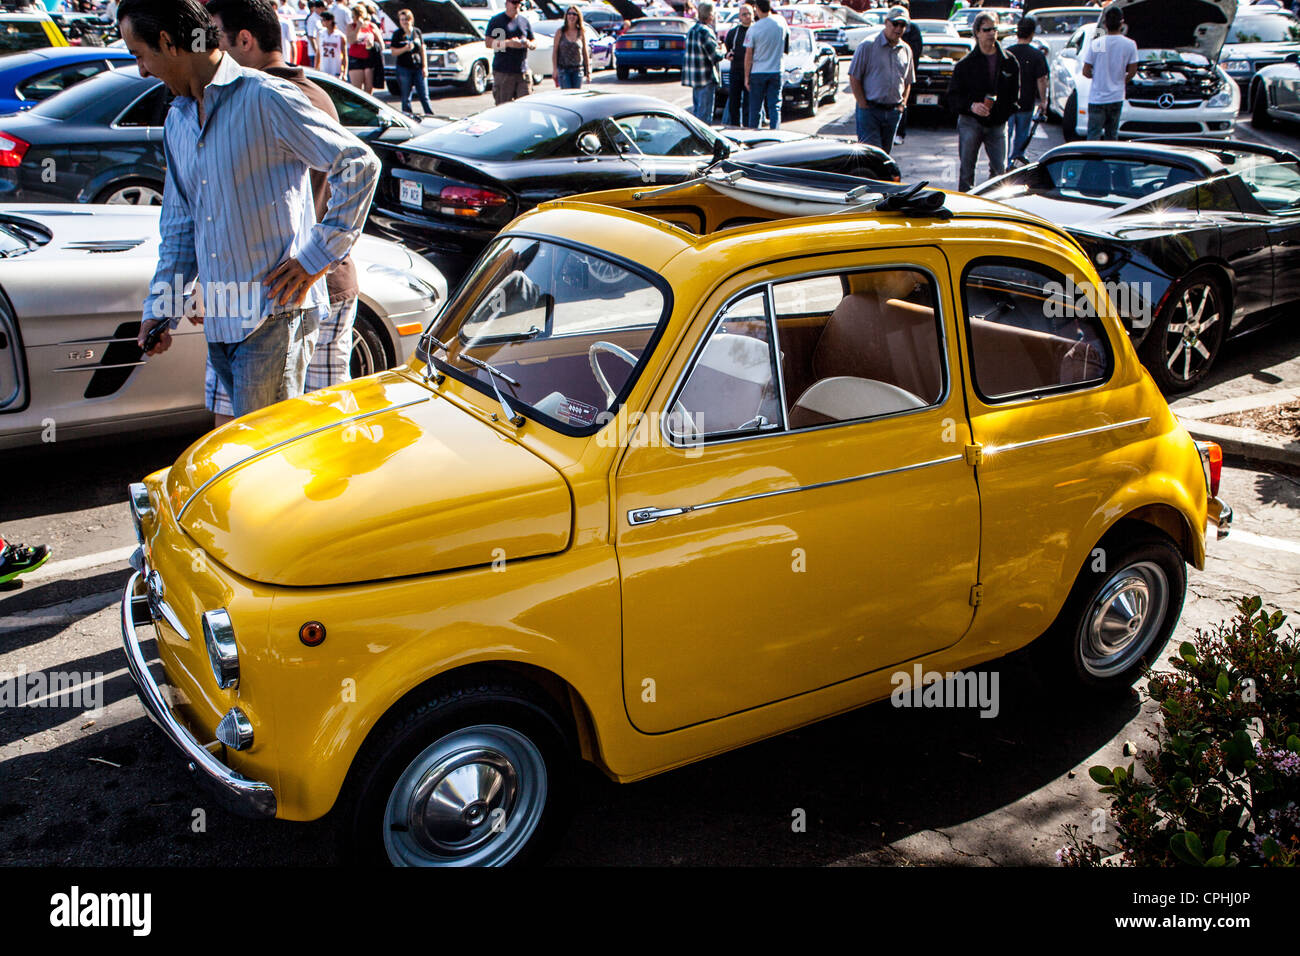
x=478, y=78
x=1070, y=118
x=477, y=775
x=368, y=352
x=1186, y=335
x=1119, y=615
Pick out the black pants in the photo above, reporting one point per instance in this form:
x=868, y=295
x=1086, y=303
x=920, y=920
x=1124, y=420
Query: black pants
x=737, y=99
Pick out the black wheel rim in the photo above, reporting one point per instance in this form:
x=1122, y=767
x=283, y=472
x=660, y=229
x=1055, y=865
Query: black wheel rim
x=1194, y=325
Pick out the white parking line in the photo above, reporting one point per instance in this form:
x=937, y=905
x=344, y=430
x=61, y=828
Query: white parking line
x=57, y=569
x=1264, y=541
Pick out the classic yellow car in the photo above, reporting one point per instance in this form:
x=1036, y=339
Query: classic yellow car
x=675, y=470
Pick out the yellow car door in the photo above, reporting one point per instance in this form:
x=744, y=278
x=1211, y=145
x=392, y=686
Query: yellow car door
x=799, y=510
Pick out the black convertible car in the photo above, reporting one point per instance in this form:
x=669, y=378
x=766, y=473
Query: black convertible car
x=1196, y=240
x=452, y=189
x=810, y=76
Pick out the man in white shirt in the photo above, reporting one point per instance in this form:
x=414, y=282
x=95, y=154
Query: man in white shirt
x=1110, y=61
x=311, y=27
x=342, y=16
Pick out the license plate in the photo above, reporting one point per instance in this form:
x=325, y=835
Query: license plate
x=649, y=44
x=412, y=194
x=927, y=99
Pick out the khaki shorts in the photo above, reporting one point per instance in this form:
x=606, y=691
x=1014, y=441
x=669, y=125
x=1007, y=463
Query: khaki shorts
x=510, y=86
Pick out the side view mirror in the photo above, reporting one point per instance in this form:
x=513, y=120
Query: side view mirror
x=1293, y=58
x=1069, y=54
x=720, y=149
x=589, y=143
x=827, y=50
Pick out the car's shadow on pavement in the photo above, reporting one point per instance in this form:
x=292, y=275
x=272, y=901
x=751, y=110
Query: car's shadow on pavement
x=861, y=780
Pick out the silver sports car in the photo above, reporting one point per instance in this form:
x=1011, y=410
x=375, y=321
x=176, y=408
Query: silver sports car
x=72, y=283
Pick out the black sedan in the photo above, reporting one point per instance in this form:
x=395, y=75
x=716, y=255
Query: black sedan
x=101, y=140
x=810, y=75
x=1195, y=240
x=450, y=190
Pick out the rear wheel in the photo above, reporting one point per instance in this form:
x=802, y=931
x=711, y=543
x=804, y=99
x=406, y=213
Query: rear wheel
x=478, y=774
x=1119, y=615
x=1070, y=118
x=135, y=192
x=1259, y=117
x=623, y=71
x=1186, y=335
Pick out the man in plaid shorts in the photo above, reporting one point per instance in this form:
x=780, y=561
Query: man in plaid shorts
x=244, y=31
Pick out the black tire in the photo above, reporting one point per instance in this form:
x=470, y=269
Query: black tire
x=1070, y=118
x=478, y=78
x=507, y=731
x=370, y=351
x=1127, y=564
x=394, y=89
x=1178, y=360
x=128, y=191
x=623, y=71
x=1259, y=117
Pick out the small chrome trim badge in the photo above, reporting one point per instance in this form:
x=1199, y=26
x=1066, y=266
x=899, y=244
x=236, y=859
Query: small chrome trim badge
x=1066, y=435
x=639, y=516
x=289, y=441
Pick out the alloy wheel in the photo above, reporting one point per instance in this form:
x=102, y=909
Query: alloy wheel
x=1192, y=324
x=135, y=196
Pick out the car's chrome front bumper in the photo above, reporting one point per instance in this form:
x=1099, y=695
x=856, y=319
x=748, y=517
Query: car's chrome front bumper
x=236, y=793
x=1220, y=515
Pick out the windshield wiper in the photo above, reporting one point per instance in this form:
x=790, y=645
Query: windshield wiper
x=423, y=353
x=493, y=374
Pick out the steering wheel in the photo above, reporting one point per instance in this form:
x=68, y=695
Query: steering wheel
x=612, y=349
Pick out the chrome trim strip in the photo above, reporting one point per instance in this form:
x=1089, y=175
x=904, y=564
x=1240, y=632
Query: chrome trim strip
x=250, y=798
x=1079, y=434
x=94, y=368
x=639, y=516
x=288, y=441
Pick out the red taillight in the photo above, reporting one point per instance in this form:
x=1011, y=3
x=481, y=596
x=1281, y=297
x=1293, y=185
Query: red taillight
x=12, y=150
x=1216, y=467
x=469, y=200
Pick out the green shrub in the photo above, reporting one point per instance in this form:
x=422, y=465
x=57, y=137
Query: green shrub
x=1223, y=786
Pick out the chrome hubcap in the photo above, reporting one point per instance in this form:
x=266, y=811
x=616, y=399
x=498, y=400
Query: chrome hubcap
x=1194, y=316
x=473, y=798
x=136, y=196
x=1124, y=619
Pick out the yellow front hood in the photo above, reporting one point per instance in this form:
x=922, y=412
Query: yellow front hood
x=378, y=478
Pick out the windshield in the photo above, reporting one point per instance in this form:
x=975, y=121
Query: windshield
x=1186, y=57
x=519, y=130
x=1113, y=181
x=11, y=242
x=1278, y=29
x=1063, y=23
x=658, y=26
x=967, y=17
x=800, y=43
x=569, y=330
x=18, y=35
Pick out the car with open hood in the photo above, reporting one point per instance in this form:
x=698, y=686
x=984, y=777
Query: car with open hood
x=621, y=507
x=455, y=49
x=963, y=20
x=1179, y=89
x=1197, y=241
x=70, y=367
x=1257, y=40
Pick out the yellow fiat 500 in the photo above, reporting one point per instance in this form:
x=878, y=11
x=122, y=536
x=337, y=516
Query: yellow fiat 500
x=675, y=470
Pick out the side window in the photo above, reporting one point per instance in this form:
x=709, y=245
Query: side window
x=354, y=112
x=45, y=85
x=858, y=345
x=1031, y=330
x=657, y=134
x=148, y=110
x=732, y=388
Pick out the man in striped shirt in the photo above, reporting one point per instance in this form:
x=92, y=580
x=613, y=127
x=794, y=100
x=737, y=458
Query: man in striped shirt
x=238, y=210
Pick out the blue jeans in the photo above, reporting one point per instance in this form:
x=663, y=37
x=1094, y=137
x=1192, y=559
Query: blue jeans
x=702, y=98
x=764, y=96
x=269, y=365
x=877, y=126
x=569, y=79
x=1103, y=120
x=1018, y=132
x=971, y=134
x=410, y=79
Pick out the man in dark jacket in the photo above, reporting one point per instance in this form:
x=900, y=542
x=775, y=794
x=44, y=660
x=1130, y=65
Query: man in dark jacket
x=737, y=95
x=983, y=92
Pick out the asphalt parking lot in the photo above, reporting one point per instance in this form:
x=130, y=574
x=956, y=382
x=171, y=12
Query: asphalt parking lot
x=99, y=786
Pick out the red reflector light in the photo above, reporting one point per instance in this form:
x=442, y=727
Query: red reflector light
x=1216, y=468
x=12, y=150
x=469, y=200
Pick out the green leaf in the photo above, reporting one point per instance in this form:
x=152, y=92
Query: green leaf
x=1182, y=846
x=1220, y=845
x=1275, y=620
x=1121, y=775
x=1293, y=744
x=1101, y=775
x=1216, y=861
x=1268, y=849
x=1187, y=651
x=1253, y=604
x=1223, y=685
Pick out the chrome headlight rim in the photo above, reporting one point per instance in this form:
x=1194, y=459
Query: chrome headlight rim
x=223, y=653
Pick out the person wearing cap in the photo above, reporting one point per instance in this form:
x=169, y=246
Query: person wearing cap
x=881, y=76
x=984, y=91
x=510, y=37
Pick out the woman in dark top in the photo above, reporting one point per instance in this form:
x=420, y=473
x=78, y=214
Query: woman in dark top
x=570, y=58
x=411, y=62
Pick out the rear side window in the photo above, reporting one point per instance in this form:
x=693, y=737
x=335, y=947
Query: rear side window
x=1031, y=331
x=44, y=85
x=148, y=110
